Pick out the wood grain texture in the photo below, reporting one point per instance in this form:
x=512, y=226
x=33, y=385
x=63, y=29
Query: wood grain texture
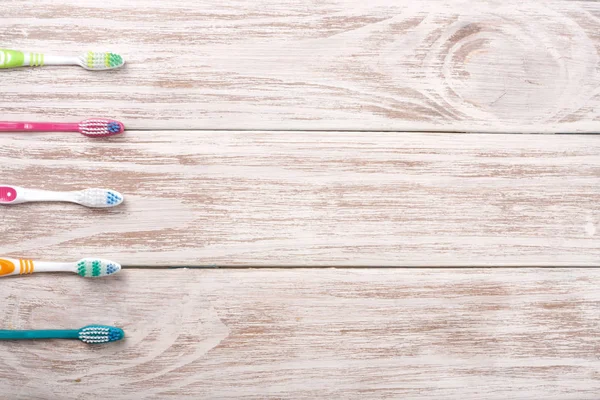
x=310, y=199
x=246, y=196
x=411, y=334
x=507, y=66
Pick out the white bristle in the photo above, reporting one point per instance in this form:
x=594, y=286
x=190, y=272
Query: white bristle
x=99, y=334
x=96, y=267
x=99, y=198
x=100, y=61
x=93, y=338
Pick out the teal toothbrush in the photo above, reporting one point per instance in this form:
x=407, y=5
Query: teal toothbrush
x=92, y=334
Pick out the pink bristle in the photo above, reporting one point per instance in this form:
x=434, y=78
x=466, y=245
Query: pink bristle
x=100, y=127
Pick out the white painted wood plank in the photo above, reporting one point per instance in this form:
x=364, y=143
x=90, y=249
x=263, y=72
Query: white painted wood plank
x=412, y=334
x=510, y=66
x=310, y=199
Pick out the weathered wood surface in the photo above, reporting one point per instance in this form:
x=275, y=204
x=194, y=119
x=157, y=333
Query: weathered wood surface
x=310, y=199
x=265, y=192
x=518, y=66
x=401, y=333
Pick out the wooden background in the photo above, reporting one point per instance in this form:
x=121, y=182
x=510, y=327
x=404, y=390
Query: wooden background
x=295, y=133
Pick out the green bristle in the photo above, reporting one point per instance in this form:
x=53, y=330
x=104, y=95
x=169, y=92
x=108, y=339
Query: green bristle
x=92, y=267
x=115, y=60
x=81, y=268
x=96, y=268
x=112, y=60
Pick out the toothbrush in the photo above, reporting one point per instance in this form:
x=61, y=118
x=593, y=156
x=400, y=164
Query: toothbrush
x=86, y=267
x=95, y=127
x=94, y=198
x=90, y=60
x=91, y=334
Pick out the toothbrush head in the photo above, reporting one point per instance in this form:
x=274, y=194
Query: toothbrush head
x=98, y=334
x=100, y=127
x=96, y=267
x=100, y=61
x=99, y=198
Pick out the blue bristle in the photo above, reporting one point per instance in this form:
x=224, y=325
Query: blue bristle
x=111, y=269
x=111, y=198
x=113, y=127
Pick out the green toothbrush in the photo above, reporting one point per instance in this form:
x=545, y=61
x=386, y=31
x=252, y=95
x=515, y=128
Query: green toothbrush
x=92, y=334
x=90, y=60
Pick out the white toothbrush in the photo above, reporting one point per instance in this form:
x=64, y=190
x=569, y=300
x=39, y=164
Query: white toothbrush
x=86, y=267
x=95, y=198
x=90, y=60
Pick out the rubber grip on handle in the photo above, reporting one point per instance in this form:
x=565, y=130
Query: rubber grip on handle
x=11, y=58
x=8, y=194
x=12, y=266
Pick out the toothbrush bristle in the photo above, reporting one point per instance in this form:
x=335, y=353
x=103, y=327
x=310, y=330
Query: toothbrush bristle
x=99, y=127
x=97, y=334
x=100, y=61
x=99, y=198
x=95, y=267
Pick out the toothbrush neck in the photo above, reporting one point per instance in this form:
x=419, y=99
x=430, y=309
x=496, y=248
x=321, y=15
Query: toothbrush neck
x=45, y=266
x=47, y=195
x=64, y=127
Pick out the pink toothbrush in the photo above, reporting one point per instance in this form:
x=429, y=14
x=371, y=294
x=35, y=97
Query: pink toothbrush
x=95, y=127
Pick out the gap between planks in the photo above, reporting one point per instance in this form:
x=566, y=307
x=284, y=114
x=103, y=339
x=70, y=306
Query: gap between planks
x=518, y=66
x=411, y=334
x=343, y=267
x=405, y=131
x=309, y=199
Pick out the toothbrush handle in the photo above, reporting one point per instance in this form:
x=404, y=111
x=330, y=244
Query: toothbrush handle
x=10, y=194
x=15, y=59
x=39, y=334
x=38, y=127
x=13, y=266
